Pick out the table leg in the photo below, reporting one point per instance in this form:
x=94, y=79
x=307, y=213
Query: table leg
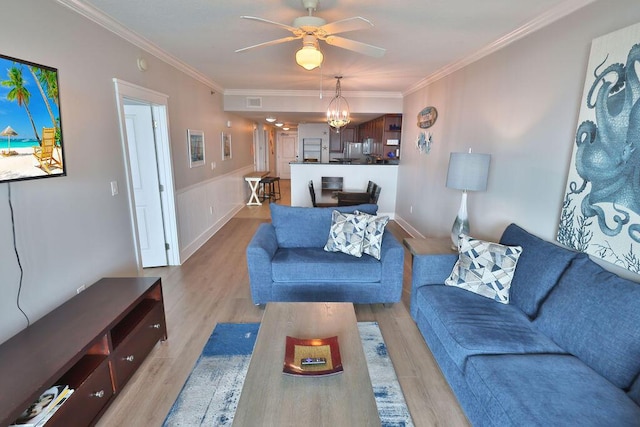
x=253, y=186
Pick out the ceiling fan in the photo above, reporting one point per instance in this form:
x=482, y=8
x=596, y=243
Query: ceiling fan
x=312, y=28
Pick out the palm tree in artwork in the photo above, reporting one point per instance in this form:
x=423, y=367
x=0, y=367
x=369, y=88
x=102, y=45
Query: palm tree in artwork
x=35, y=72
x=49, y=80
x=19, y=93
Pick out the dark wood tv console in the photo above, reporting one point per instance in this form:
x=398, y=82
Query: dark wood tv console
x=94, y=343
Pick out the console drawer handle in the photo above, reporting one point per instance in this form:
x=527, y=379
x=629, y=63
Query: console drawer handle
x=129, y=358
x=98, y=394
x=156, y=326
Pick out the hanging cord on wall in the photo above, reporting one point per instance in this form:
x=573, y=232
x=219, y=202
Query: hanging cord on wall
x=15, y=248
x=320, y=81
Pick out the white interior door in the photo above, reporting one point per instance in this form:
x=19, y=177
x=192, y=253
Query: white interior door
x=287, y=145
x=146, y=186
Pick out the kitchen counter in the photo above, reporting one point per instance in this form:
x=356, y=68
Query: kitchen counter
x=355, y=178
x=351, y=162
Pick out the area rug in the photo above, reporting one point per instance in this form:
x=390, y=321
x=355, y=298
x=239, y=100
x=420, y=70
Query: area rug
x=211, y=393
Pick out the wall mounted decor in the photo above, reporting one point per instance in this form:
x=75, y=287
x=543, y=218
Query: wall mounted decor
x=226, y=146
x=423, y=142
x=195, y=141
x=427, y=117
x=601, y=208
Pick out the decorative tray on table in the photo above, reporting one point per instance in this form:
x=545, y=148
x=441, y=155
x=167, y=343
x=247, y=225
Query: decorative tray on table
x=312, y=357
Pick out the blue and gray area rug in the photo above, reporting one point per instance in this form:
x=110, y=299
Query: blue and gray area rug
x=210, y=395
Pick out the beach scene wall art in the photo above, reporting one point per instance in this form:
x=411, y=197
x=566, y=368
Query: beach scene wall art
x=31, y=143
x=601, y=208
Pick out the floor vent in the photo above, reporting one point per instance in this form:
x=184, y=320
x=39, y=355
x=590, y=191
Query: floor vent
x=254, y=102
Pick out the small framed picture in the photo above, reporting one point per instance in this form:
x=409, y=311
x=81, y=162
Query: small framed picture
x=226, y=146
x=195, y=141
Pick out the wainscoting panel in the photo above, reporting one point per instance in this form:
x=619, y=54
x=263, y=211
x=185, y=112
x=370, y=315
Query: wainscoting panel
x=204, y=208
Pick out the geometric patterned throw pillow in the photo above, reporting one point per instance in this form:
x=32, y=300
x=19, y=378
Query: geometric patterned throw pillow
x=484, y=268
x=346, y=233
x=373, y=234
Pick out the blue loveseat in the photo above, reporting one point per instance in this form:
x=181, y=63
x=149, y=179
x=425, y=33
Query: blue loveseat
x=287, y=262
x=564, y=351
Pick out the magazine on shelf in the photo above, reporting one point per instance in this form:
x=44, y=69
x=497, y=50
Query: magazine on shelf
x=64, y=396
x=39, y=409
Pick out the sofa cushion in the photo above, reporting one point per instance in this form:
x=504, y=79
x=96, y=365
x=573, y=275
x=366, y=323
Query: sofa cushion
x=484, y=268
x=547, y=390
x=634, y=391
x=317, y=265
x=539, y=268
x=373, y=234
x=300, y=227
x=595, y=315
x=468, y=324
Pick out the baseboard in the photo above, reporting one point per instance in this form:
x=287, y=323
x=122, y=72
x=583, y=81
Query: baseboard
x=197, y=243
x=408, y=227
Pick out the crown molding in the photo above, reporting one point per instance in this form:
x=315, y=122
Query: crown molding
x=311, y=93
x=136, y=39
x=560, y=11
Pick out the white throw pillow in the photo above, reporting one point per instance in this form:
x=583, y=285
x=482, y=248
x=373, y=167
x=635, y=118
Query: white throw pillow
x=373, y=234
x=346, y=233
x=484, y=268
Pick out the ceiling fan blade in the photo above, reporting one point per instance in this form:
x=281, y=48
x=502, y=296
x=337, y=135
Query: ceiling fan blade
x=365, y=49
x=272, y=42
x=266, y=21
x=344, y=25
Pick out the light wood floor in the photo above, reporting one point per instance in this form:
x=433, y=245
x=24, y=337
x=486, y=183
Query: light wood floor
x=213, y=286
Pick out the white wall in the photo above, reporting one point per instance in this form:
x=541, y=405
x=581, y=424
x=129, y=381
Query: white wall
x=519, y=104
x=70, y=231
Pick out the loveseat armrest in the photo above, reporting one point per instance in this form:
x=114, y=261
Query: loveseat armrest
x=432, y=269
x=392, y=259
x=260, y=252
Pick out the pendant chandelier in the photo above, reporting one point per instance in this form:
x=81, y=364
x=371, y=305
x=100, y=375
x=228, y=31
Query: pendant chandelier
x=338, y=110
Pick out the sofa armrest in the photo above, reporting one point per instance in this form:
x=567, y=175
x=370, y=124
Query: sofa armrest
x=392, y=259
x=432, y=269
x=260, y=252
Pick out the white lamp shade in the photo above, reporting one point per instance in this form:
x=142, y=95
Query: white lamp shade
x=309, y=57
x=468, y=171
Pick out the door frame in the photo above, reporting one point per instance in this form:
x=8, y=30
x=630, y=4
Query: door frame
x=160, y=109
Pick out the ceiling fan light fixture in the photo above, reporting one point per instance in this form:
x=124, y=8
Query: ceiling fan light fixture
x=338, y=114
x=309, y=56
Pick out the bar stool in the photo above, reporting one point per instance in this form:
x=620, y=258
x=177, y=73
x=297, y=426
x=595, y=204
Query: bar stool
x=268, y=185
x=275, y=193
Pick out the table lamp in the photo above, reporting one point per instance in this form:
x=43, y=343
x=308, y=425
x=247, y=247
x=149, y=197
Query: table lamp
x=467, y=172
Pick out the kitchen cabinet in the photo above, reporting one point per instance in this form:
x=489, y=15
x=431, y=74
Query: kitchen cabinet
x=337, y=141
x=382, y=130
x=391, y=132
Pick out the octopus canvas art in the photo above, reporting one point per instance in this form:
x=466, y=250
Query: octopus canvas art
x=601, y=208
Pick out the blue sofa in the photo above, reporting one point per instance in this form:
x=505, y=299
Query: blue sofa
x=287, y=262
x=564, y=351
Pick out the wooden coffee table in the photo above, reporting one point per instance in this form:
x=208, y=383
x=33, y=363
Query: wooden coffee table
x=272, y=398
